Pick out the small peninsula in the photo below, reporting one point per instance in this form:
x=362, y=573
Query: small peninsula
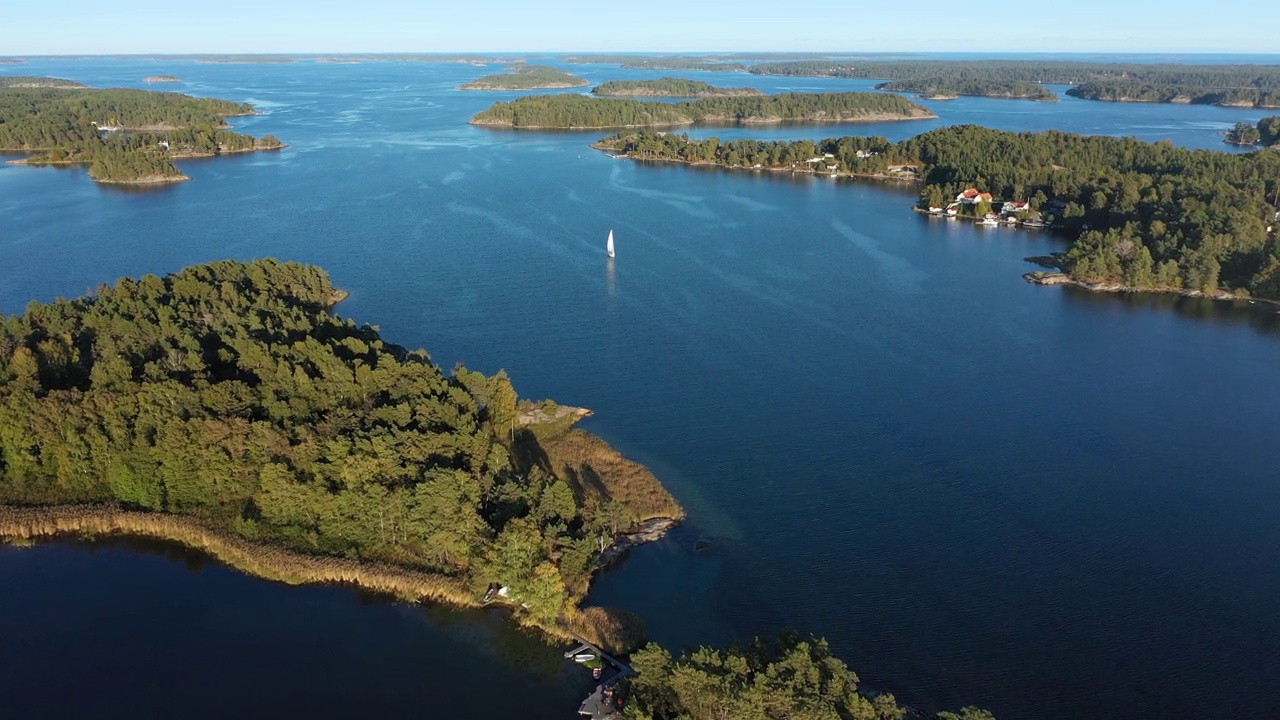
x=122, y=136
x=225, y=406
x=950, y=88
x=1140, y=216
x=1266, y=133
x=162, y=79
x=669, y=88
x=578, y=112
x=527, y=77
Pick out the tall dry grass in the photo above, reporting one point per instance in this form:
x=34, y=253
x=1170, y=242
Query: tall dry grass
x=257, y=559
x=616, y=631
x=598, y=473
x=21, y=525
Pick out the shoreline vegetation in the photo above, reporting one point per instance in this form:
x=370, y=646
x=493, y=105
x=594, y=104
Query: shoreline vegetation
x=1145, y=216
x=579, y=112
x=226, y=408
x=127, y=137
x=522, y=76
x=669, y=87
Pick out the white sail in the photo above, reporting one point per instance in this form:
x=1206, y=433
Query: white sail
x=609, y=245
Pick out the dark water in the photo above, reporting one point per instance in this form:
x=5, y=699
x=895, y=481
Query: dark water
x=140, y=630
x=1050, y=503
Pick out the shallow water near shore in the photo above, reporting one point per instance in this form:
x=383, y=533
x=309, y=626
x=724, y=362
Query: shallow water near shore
x=1051, y=503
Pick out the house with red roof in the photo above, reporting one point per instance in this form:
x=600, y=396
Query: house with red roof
x=972, y=197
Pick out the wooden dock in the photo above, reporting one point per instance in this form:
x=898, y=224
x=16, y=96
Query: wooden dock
x=599, y=705
x=623, y=668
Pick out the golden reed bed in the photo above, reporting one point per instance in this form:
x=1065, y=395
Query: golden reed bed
x=616, y=631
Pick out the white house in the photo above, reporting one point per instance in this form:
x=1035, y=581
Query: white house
x=972, y=197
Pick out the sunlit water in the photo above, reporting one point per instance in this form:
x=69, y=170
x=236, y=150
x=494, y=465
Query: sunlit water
x=1046, y=502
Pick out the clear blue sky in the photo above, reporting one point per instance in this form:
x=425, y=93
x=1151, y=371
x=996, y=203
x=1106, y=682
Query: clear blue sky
x=42, y=27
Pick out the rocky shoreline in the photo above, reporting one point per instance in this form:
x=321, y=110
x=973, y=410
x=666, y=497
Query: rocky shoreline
x=651, y=530
x=1057, y=277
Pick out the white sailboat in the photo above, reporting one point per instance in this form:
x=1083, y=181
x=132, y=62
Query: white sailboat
x=609, y=244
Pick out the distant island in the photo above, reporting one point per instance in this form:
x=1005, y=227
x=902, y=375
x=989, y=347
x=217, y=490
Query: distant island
x=122, y=136
x=1141, y=216
x=10, y=61
x=243, y=59
x=669, y=88
x=578, y=112
x=951, y=88
x=162, y=79
x=39, y=82
x=1266, y=133
x=527, y=77
x=663, y=62
x=1126, y=91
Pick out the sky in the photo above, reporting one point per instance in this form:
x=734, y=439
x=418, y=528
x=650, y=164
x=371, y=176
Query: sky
x=58, y=27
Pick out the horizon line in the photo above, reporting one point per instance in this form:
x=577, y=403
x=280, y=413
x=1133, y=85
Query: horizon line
x=816, y=54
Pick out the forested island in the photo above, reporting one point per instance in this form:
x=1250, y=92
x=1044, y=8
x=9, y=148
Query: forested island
x=942, y=88
x=1127, y=91
x=1053, y=72
x=226, y=408
x=669, y=88
x=1141, y=216
x=38, y=82
x=1229, y=85
x=123, y=136
x=1266, y=133
x=577, y=112
x=527, y=77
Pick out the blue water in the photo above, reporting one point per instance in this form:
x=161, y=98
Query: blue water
x=1046, y=502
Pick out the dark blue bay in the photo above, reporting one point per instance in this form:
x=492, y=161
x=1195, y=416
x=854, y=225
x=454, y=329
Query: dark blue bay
x=1050, y=503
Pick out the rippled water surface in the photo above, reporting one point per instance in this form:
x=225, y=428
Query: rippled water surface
x=1046, y=502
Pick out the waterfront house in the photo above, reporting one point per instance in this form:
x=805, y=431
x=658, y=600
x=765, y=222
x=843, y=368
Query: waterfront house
x=864, y=154
x=1015, y=206
x=953, y=209
x=973, y=196
x=935, y=210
